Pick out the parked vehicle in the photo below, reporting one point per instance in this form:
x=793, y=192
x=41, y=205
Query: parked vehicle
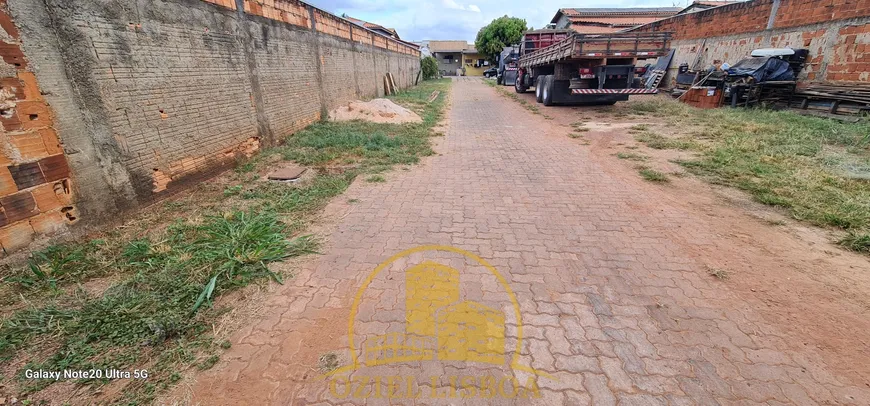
x=565, y=67
x=493, y=71
x=507, y=66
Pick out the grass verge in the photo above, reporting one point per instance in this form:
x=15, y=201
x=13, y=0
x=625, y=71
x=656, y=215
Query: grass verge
x=145, y=299
x=511, y=94
x=815, y=168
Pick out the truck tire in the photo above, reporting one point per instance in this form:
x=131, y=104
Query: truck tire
x=520, y=86
x=547, y=90
x=538, y=81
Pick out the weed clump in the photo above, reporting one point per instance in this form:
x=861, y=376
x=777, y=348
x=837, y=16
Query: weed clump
x=653, y=175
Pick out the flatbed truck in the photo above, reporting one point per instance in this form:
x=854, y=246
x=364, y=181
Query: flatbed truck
x=566, y=67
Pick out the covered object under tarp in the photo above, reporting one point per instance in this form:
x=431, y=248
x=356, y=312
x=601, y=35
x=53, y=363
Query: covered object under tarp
x=763, y=69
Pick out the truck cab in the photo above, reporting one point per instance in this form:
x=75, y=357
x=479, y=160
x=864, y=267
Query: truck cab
x=507, y=66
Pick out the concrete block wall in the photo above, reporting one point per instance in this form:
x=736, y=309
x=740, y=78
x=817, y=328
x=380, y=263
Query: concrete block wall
x=137, y=99
x=837, y=33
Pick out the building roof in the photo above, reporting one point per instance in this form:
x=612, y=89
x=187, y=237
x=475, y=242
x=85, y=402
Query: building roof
x=614, y=21
x=372, y=26
x=599, y=29
x=703, y=5
x=449, y=46
x=606, y=20
x=610, y=11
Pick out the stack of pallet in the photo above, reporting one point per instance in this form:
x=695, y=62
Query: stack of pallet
x=836, y=98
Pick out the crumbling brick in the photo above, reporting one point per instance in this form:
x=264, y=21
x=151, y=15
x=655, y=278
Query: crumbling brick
x=160, y=181
x=19, y=206
x=54, y=168
x=7, y=183
x=16, y=236
x=50, y=140
x=12, y=89
x=27, y=175
x=29, y=145
x=49, y=223
x=31, y=88
x=52, y=196
x=11, y=54
x=35, y=196
x=33, y=114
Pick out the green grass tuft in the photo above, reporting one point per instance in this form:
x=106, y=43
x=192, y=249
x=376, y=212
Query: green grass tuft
x=657, y=141
x=856, y=242
x=631, y=156
x=653, y=175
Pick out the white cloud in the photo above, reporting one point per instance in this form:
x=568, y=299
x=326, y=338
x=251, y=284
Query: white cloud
x=453, y=5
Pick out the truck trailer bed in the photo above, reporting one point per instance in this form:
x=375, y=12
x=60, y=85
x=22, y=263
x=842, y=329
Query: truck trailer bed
x=599, y=46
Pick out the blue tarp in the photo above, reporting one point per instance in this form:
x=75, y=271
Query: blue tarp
x=763, y=69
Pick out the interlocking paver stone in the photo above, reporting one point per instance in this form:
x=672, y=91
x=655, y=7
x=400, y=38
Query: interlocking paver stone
x=611, y=307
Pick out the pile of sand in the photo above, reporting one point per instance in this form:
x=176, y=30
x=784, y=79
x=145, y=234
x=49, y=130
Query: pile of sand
x=376, y=111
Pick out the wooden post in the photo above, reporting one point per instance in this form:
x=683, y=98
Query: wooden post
x=392, y=83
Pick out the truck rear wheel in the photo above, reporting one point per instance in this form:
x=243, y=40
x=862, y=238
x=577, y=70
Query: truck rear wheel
x=547, y=90
x=538, y=86
x=520, y=86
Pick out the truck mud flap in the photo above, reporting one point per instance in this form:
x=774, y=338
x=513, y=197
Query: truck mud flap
x=563, y=95
x=509, y=78
x=614, y=91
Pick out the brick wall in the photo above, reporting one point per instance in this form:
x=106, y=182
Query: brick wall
x=149, y=96
x=850, y=55
x=835, y=31
x=35, y=190
x=736, y=18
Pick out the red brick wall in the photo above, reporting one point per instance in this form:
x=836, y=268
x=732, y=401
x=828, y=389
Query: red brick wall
x=731, y=32
x=752, y=16
x=727, y=20
x=793, y=13
x=851, y=55
x=35, y=193
x=296, y=12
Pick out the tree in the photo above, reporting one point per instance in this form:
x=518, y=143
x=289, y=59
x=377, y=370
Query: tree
x=429, y=66
x=501, y=32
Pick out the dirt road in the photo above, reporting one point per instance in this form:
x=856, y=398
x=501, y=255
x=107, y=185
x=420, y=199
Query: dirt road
x=610, y=274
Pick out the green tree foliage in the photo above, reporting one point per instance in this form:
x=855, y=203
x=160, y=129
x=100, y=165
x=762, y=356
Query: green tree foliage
x=429, y=66
x=501, y=32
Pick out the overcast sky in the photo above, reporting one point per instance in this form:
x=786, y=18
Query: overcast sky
x=461, y=19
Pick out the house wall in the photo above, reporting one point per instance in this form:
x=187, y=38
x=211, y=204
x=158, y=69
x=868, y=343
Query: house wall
x=147, y=97
x=448, y=68
x=836, y=33
x=470, y=70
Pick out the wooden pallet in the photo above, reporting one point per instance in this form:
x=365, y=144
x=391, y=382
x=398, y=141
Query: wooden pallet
x=857, y=97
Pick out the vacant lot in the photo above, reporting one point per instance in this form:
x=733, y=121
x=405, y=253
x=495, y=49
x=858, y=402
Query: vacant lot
x=153, y=294
x=818, y=169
